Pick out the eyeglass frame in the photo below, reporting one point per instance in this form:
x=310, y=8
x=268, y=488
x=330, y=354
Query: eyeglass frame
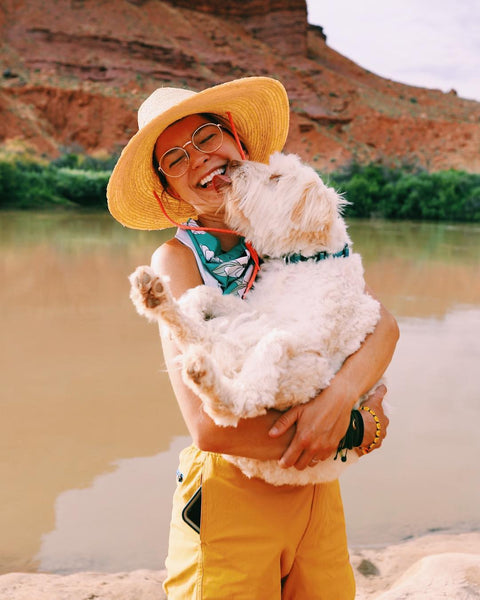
x=190, y=141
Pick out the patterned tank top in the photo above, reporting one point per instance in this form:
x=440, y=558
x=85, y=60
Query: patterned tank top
x=230, y=271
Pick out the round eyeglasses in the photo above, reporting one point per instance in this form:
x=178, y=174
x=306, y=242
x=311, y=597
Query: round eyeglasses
x=206, y=138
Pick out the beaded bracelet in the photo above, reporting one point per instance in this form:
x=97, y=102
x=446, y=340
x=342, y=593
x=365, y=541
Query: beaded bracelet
x=377, y=430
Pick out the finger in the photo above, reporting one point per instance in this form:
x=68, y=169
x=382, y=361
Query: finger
x=304, y=461
x=300, y=453
x=375, y=401
x=292, y=454
x=283, y=423
x=378, y=393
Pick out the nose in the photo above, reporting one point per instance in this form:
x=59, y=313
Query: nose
x=197, y=157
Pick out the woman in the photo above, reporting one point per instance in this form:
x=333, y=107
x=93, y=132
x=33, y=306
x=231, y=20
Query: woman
x=255, y=540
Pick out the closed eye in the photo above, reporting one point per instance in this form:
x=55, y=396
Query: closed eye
x=207, y=139
x=174, y=157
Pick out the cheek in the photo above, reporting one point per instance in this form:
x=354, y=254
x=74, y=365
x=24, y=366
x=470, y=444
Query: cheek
x=231, y=150
x=173, y=192
x=181, y=190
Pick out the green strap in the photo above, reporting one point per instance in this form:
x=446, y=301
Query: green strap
x=295, y=258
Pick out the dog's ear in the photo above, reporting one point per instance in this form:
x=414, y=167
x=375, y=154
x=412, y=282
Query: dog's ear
x=317, y=208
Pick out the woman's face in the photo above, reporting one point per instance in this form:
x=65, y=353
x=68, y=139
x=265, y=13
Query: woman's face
x=195, y=186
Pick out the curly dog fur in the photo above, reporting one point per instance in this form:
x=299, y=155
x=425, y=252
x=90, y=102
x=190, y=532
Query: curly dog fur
x=283, y=344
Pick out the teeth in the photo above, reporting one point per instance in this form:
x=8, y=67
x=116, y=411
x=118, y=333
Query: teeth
x=206, y=180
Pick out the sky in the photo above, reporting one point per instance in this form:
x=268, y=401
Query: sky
x=429, y=43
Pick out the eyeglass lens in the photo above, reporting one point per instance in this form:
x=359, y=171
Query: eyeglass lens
x=207, y=138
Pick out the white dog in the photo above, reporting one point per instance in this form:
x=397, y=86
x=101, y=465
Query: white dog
x=285, y=341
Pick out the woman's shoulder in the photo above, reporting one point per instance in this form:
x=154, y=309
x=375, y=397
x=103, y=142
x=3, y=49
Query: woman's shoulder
x=177, y=262
x=171, y=256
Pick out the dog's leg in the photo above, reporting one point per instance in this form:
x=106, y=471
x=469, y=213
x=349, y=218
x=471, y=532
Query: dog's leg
x=217, y=392
x=263, y=372
x=289, y=373
x=246, y=393
x=152, y=299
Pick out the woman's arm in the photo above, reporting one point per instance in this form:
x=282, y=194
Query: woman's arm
x=250, y=438
x=322, y=422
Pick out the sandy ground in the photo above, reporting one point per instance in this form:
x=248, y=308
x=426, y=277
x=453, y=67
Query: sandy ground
x=433, y=567
x=429, y=568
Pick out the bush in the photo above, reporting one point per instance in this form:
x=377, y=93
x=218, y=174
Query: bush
x=85, y=162
x=69, y=181
x=86, y=188
x=378, y=191
x=372, y=190
x=25, y=184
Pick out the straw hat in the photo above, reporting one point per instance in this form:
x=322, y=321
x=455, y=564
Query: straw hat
x=260, y=110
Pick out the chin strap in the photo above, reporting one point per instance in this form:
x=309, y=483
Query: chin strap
x=235, y=135
x=248, y=245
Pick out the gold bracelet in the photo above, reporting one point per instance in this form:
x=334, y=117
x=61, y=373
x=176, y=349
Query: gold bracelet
x=377, y=431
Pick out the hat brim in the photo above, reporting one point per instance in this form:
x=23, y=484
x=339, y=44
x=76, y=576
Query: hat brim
x=260, y=110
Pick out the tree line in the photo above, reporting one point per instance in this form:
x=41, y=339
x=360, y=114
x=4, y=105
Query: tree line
x=409, y=193
x=372, y=190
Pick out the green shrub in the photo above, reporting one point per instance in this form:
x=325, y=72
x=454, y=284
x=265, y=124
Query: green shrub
x=85, y=162
x=72, y=180
x=372, y=190
x=26, y=184
x=86, y=188
x=407, y=193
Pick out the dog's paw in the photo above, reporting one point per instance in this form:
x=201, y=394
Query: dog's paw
x=197, y=371
x=147, y=290
x=201, y=376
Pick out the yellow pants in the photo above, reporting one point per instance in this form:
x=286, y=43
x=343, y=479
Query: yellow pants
x=257, y=541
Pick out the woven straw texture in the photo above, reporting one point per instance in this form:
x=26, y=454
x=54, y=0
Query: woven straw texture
x=260, y=111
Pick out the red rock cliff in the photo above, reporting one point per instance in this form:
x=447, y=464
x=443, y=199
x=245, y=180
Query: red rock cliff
x=74, y=72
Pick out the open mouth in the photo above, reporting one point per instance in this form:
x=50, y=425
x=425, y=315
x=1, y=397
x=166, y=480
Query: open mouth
x=220, y=182
x=203, y=183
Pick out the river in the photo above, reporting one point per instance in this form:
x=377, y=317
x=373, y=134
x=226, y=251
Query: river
x=90, y=430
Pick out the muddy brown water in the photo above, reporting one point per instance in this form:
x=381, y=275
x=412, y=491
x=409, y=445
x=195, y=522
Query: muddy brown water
x=90, y=431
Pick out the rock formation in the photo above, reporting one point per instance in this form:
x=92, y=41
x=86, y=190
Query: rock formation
x=75, y=71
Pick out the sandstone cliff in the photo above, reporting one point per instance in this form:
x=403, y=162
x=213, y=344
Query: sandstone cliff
x=75, y=71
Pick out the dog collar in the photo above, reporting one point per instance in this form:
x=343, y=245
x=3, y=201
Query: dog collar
x=295, y=258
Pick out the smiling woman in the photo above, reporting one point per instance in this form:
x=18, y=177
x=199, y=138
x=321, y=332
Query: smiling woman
x=185, y=141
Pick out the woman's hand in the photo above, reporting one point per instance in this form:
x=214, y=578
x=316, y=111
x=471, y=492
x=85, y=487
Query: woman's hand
x=322, y=423
x=375, y=402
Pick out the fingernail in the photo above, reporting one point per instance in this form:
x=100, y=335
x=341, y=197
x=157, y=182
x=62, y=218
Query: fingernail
x=273, y=430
